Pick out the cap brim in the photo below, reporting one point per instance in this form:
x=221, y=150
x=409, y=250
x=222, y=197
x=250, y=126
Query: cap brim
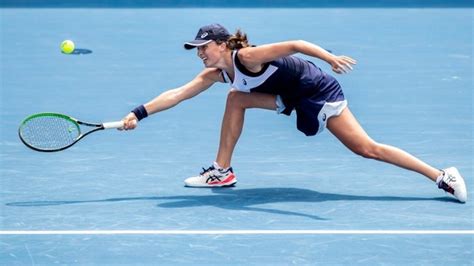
x=195, y=43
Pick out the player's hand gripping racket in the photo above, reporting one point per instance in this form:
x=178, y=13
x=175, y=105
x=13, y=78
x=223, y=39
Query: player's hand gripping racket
x=50, y=132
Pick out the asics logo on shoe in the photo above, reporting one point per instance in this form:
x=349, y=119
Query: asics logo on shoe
x=213, y=178
x=229, y=179
x=450, y=178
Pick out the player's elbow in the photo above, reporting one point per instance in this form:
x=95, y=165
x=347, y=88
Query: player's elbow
x=299, y=46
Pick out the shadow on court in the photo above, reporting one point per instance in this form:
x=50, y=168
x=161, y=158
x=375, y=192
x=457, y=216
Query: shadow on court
x=242, y=200
x=79, y=51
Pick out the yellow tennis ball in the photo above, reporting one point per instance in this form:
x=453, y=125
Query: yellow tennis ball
x=67, y=46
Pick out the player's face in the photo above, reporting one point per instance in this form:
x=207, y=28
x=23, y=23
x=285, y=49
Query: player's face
x=210, y=54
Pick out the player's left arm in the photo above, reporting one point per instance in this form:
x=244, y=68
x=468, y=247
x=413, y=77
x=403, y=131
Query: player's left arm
x=254, y=56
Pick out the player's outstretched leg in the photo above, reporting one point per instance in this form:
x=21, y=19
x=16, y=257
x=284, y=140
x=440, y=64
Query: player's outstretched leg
x=346, y=128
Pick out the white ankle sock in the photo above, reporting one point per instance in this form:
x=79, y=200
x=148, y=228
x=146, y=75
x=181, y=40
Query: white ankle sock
x=217, y=166
x=440, y=177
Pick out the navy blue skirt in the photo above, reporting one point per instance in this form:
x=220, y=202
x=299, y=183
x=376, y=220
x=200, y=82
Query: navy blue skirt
x=308, y=109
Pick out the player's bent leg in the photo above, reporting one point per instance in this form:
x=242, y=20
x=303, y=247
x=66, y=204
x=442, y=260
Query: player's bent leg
x=346, y=128
x=220, y=174
x=233, y=120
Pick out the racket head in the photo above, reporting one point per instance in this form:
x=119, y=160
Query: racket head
x=49, y=132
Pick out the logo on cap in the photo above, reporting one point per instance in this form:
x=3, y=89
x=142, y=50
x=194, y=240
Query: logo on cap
x=214, y=32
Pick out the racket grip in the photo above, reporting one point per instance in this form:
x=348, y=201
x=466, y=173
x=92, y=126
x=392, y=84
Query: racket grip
x=116, y=124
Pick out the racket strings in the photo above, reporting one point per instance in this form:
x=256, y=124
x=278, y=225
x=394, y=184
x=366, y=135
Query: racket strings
x=49, y=132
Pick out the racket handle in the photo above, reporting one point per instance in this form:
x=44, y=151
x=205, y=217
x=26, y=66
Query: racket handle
x=116, y=124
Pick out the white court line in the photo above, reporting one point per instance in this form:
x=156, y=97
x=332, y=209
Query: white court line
x=238, y=232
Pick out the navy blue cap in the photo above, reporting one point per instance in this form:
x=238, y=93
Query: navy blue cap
x=207, y=34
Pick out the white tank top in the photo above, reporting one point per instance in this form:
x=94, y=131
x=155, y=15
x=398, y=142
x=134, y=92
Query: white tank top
x=248, y=80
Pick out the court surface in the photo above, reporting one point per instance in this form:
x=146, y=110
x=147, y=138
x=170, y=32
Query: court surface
x=118, y=197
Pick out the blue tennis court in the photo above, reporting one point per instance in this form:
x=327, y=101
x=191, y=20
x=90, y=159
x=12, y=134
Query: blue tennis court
x=118, y=197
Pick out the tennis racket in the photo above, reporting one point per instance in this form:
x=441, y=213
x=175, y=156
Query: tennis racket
x=49, y=132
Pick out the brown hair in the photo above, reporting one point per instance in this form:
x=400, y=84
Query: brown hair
x=237, y=41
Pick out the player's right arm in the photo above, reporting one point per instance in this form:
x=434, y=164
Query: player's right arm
x=173, y=97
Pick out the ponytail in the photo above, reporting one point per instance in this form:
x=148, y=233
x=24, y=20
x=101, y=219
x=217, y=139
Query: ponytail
x=237, y=41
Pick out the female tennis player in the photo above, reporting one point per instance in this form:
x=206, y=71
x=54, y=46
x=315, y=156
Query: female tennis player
x=270, y=77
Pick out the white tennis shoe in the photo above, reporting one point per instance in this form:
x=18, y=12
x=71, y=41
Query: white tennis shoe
x=452, y=182
x=212, y=177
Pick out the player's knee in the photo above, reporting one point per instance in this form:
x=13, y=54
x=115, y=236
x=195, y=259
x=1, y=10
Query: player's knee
x=236, y=99
x=369, y=150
